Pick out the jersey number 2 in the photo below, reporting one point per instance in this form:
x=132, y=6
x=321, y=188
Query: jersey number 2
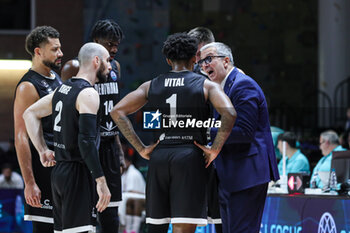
x=58, y=108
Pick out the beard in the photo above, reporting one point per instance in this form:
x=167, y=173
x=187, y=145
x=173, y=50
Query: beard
x=102, y=77
x=52, y=65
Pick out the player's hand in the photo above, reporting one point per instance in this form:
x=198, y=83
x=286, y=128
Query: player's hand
x=209, y=153
x=103, y=194
x=32, y=194
x=147, y=150
x=47, y=158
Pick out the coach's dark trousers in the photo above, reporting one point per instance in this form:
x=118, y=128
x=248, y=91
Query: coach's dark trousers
x=241, y=211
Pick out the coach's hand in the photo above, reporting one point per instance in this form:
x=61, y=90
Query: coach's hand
x=147, y=150
x=47, y=158
x=32, y=194
x=103, y=194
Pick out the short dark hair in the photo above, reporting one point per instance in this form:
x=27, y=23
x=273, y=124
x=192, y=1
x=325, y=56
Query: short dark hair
x=202, y=34
x=289, y=137
x=180, y=47
x=107, y=29
x=38, y=36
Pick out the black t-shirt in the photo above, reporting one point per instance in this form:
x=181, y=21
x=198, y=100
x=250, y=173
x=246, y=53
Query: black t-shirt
x=179, y=97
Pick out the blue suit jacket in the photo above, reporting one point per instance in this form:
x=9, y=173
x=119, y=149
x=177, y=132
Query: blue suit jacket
x=248, y=157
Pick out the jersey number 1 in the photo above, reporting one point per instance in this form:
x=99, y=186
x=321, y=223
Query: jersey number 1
x=172, y=102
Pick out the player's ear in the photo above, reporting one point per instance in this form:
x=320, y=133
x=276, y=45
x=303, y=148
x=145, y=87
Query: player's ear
x=170, y=63
x=96, y=62
x=193, y=60
x=37, y=51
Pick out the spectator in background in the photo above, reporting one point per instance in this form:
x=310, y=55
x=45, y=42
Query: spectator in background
x=275, y=132
x=10, y=179
x=329, y=142
x=133, y=188
x=295, y=160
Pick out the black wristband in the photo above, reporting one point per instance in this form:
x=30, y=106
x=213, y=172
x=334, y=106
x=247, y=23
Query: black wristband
x=87, y=143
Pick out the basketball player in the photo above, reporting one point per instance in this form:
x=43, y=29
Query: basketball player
x=204, y=36
x=176, y=181
x=74, y=107
x=44, y=46
x=109, y=34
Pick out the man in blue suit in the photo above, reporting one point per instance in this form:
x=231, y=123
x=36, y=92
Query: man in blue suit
x=247, y=161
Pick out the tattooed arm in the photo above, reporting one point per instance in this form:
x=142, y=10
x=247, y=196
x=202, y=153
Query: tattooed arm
x=128, y=105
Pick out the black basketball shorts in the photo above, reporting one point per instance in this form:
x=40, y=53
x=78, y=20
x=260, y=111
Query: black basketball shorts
x=110, y=162
x=74, y=198
x=42, y=177
x=176, y=186
x=213, y=196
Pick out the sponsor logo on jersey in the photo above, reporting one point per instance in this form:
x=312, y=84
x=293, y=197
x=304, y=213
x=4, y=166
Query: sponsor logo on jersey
x=109, y=126
x=93, y=213
x=44, y=83
x=108, y=134
x=47, y=205
x=113, y=75
x=58, y=145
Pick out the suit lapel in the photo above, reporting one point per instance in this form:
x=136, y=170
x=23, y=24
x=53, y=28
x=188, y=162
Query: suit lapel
x=229, y=81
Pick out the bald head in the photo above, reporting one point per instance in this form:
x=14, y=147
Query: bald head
x=89, y=51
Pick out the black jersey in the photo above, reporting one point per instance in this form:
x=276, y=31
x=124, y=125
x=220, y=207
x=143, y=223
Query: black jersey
x=109, y=96
x=179, y=97
x=43, y=85
x=66, y=119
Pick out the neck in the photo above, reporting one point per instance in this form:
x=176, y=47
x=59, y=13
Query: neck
x=88, y=75
x=40, y=68
x=290, y=152
x=330, y=149
x=227, y=69
x=182, y=66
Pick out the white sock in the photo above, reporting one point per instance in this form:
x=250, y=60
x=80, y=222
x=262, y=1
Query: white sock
x=136, y=224
x=128, y=223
